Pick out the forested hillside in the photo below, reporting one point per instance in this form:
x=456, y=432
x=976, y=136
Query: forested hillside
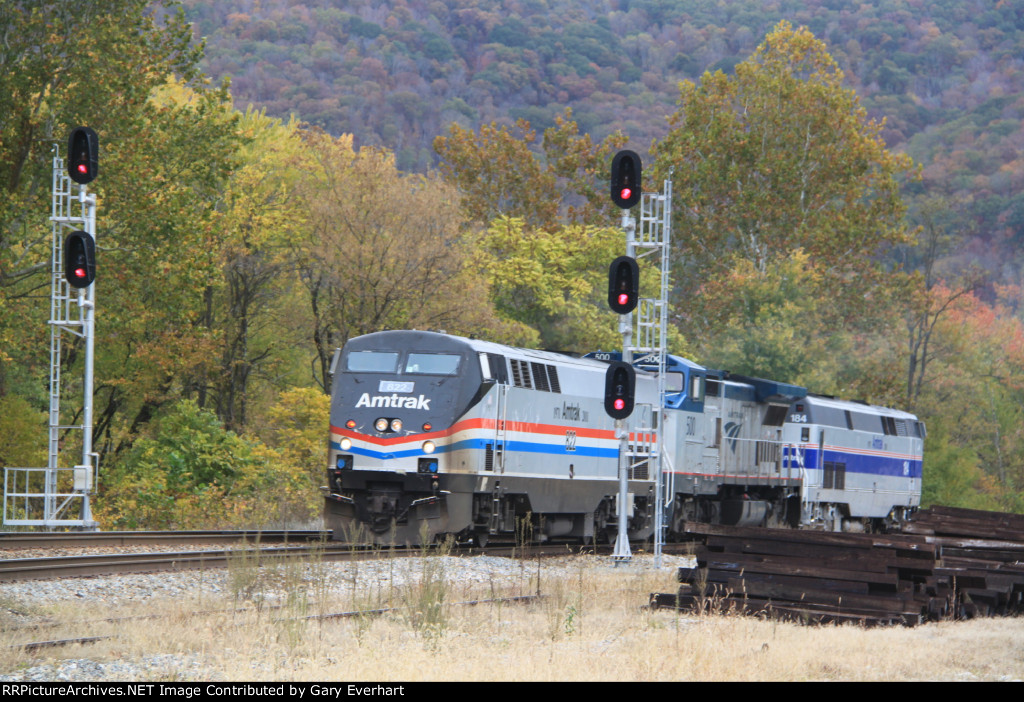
x=847, y=214
x=946, y=76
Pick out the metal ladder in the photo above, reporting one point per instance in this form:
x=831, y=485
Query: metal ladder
x=650, y=339
x=39, y=496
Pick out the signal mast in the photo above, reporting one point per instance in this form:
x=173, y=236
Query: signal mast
x=44, y=496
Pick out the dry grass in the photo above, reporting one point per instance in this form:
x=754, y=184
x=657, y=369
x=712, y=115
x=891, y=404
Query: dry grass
x=590, y=625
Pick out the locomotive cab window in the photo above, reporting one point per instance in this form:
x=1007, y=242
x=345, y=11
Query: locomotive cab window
x=485, y=366
x=432, y=363
x=696, y=388
x=372, y=362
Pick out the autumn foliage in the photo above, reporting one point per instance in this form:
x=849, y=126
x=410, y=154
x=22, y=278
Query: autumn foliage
x=236, y=251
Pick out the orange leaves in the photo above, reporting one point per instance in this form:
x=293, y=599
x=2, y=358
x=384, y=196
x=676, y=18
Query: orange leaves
x=988, y=337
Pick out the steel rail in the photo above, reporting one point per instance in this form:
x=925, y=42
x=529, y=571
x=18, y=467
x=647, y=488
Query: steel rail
x=19, y=569
x=35, y=539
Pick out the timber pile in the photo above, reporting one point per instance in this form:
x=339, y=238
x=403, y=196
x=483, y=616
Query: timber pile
x=997, y=534
x=823, y=577
x=982, y=552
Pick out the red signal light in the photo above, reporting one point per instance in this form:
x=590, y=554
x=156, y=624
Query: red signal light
x=79, y=259
x=83, y=155
x=626, y=179
x=623, y=284
x=619, y=390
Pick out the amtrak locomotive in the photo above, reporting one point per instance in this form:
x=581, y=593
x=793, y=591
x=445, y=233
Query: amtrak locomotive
x=433, y=434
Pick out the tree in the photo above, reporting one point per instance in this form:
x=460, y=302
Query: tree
x=779, y=158
x=189, y=472
x=167, y=140
x=259, y=220
x=384, y=250
x=63, y=64
x=164, y=174
x=931, y=295
x=553, y=282
x=499, y=174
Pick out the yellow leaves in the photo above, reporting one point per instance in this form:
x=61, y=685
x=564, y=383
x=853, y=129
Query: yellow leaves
x=782, y=185
x=22, y=433
x=499, y=175
x=553, y=281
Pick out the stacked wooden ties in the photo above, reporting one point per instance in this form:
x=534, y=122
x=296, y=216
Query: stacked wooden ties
x=982, y=557
x=822, y=577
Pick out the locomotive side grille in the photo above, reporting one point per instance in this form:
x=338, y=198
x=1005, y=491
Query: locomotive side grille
x=525, y=369
x=517, y=374
x=489, y=456
x=767, y=452
x=553, y=379
x=521, y=374
x=540, y=376
x=639, y=471
x=901, y=427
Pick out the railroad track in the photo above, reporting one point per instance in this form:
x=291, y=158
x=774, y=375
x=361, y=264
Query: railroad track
x=46, y=568
x=347, y=614
x=75, y=539
x=249, y=550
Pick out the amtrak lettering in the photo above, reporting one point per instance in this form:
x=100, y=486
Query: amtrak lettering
x=394, y=401
x=571, y=412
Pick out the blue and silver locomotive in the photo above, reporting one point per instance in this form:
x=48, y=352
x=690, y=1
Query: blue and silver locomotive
x=433, y=434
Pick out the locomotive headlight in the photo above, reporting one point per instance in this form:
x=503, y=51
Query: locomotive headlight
x=381, y=425
x=346, y=443
x=351, y=424
x=396, y=425
x=428, y=447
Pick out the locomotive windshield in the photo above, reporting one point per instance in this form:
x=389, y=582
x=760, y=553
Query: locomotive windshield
x=432, y=363
x=415, y=363
x=372, y=362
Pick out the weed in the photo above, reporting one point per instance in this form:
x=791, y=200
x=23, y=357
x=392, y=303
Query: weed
x=570, y=619
x=425, y=602
x=245, y=582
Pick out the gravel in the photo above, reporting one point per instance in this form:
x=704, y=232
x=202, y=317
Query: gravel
x=19, y=599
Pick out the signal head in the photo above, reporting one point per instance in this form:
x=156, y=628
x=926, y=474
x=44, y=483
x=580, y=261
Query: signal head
x=83, y=155
x=627, y=174
x=79, y=259
x=623, y=284
x=619, y=389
